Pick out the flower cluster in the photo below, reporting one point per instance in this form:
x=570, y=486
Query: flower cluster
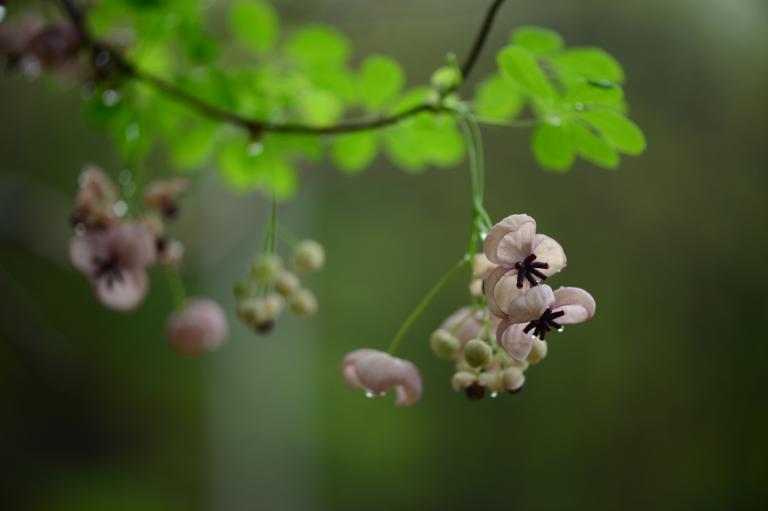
x=270, y=286
x=29, y=46
x=114, y=253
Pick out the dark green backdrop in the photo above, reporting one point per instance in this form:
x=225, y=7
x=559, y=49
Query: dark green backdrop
x=658, y=403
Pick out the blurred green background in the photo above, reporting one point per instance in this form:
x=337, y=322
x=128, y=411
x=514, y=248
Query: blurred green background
x=659, y=402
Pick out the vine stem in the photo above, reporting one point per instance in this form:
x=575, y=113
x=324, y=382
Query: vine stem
x=424, y=303
x=255, y=127
x=176, y=286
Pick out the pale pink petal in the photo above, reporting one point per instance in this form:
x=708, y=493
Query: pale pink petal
x=133, y=244
x=409, y=391
x=378, y=372
x=481, y=266
x=348, y=366
x=501, y=290
x=464, y=324
x=577, y=304
x=123, y=294
x=509, y=241
x=83, y=250
x=515, y=342
x=549, y=251
x=531, y=305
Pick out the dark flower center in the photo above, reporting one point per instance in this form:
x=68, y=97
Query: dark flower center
x=544, y=324
x=108, y=268
x=528, y=269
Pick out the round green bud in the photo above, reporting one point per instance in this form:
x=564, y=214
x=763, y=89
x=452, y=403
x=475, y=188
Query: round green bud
x=308, y=255
x=463, y=379
x=444, y=344
x=513, y=378
x=491, y=379
x=265, y=268
x=445, y=78
x=538, y=352
x=286, y=283
x=478, y=353
x=256, y=312
x=303, y=303
x=243, y=289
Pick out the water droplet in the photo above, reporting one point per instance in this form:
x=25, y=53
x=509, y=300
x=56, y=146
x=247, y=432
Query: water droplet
x=120, y=208
x=102, y=59
x=132, y=132
x=561, y=329
x=110, y=97
x=255, y=149
x=533, y=336
x=369, y=394
x=494, y=394
x=555, y=121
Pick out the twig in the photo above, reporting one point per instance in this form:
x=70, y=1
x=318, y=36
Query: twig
x=256, y=127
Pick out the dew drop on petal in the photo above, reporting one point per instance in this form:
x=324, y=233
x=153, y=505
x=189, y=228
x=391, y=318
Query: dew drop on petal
x=561, y=329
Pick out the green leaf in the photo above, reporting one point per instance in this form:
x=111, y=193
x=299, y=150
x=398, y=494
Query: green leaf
x=617, y=129
x=591, y=147
x=552, y=147
x=320, y=107
x=592, y=63
x=537, y=40
x=411, y=99
x=520, y=66
x=589, y=94
x=318, y=45
x=194, y=148
x=498, y=99
x=381, y=78
x=423, y=140
x=245, y=166
x=355, y=151
x=254, y=24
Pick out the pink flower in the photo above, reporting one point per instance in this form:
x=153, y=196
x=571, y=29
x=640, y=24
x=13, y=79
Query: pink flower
x=163, y=195
x=200, y=326
x=522, y=257
x=541, y=310
x=96, y=199
x=115, y=261
x=377, y=372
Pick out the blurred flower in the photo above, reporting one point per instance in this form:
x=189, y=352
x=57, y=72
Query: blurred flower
x=260, y=313
x=540, y=309
x=303, y=303
x=522, y=257
x=170, y=251
x=308, y=255
x=163, y=195
x=55, y=46
x=199, y=326
x=377, y=372
x=114, y=260
x=96, y=200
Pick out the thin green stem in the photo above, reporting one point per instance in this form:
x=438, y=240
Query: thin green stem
x=398, y=339
x=176, y=286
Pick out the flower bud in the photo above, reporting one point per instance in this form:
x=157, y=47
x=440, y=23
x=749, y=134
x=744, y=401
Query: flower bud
x=538, y=352
x=260, y=312
x=476, y=288
x=490, y=379
x=243, y=289
x=308, y=255
x=462, y=379
x=513, y=379
x=444, y=344
x=303, y=303
x=286, y=283
x=265, y=268
x=478, y=353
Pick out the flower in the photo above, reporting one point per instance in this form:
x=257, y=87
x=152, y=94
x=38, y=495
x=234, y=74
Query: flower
x=465, y=325
x=96, y=200
x=522, y=256
x=115, y=261
x=199, y=326
x=308, y=255
x=540, y=310
x=377, y=372
x=163, y=195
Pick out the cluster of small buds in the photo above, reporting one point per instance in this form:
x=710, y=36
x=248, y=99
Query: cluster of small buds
x=29, y=45
x=115, y=252
x=271, y=287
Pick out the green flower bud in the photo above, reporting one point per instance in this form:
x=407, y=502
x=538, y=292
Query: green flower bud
x=462, y=379
x=265, y=268
x=286, y=283
x=490, y=379
x=538, y=352
x=513, y=378
x=308, y=255
x=444, y=344
x=243, y=289
x=257, y=312
x=303, y=303
x=478, y=353
x=446, y=78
